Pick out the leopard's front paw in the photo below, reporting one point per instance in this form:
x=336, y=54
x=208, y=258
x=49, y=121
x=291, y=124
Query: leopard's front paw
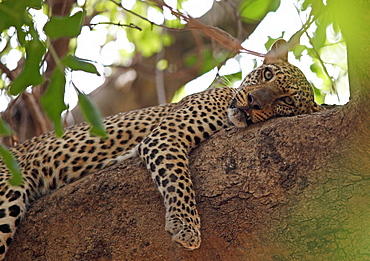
x=184, y=233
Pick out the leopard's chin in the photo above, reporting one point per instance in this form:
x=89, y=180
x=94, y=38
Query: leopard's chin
x=239, y=117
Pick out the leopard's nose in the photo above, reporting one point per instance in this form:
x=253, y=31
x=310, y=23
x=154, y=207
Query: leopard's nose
x=253, y=102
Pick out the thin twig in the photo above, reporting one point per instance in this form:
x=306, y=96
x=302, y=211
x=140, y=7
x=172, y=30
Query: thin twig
x=159, y=79
x=6, y=70
x=316, y=53
x=333, y=88
x=7, y=115
x=131, y=25
x=238, y=19
x=144, y=18
x=40, y=120
x=294, y=40
x=222, y=37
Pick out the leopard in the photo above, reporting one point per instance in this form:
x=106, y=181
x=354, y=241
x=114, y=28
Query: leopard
x=162, y=137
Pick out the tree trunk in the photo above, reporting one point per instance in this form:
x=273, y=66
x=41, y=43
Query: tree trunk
x=287, y=189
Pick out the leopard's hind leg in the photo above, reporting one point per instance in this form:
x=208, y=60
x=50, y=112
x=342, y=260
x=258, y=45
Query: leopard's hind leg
x=13, y=201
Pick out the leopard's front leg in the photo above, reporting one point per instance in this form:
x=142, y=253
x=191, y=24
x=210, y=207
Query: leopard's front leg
x=165, y=155
x=165, y=152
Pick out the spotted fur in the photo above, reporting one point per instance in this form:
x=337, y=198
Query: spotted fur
x=161, y=136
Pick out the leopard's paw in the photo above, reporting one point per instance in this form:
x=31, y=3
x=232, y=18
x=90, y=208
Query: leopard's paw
x=184, y=233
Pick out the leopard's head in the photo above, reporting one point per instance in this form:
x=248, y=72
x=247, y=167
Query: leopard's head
x=276, y=88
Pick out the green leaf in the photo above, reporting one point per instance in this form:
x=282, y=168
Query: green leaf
x=162, y=65
x=154, y=38
x=9, y=16
x=78, y=64
x=210, y=59
x=30, y=75
x=190, y=60
x=5, y=129
x=298, y=51
x=319, y=38
x=319, y=94
x=317, y=68
x=179, y=94
x=67, y=26
x=256, y=10
x=91, y=115
x=270, y=40
x=14, y=13
x=37, y=4
x=53, y=99
x=12, y=165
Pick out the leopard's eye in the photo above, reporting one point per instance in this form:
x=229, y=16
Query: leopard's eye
x=268, y=74
x=287, y=100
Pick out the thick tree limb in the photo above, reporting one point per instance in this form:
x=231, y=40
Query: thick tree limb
x=289, y=188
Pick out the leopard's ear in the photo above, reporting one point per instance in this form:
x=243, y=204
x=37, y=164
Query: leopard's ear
x=278, y=52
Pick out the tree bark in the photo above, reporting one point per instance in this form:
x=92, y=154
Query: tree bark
x=287, y=189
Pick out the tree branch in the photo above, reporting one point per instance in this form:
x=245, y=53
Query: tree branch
x=252, y=193
x=6, y=70
x=222, y=37
x=116, y=24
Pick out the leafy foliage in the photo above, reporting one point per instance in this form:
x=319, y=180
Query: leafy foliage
x=8, y=158
x=252, y=10
x=321, y=44
x=78, y=64
x=5, y=129
x=12, y=165
x=16, y=14
x=64, y=26
x=92, y=115
x=53, y=99
x=30, y=74
x=35, y=49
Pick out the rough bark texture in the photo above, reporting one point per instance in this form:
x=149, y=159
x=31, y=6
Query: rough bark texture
x=288, y=189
